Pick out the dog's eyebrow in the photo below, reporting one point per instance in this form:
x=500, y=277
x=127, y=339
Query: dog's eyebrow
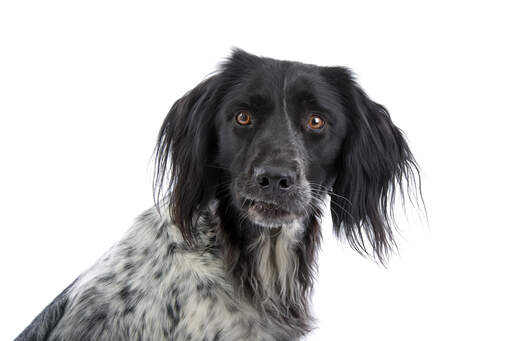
x=259, y=100
x=306, y=96
x=308, y=99
x=254, y=101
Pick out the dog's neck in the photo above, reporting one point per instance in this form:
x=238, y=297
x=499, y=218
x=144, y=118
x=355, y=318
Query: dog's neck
x=274, y=268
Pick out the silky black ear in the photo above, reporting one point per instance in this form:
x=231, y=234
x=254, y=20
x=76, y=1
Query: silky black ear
x=374, y=164
x=186, y=143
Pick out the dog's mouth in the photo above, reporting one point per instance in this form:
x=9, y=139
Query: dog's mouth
x=267, y=208
x=268, y=214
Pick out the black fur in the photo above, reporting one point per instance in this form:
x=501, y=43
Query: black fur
x=375, y=162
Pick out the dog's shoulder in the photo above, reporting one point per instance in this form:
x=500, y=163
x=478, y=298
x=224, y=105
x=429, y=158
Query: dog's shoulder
x=153, y=285
x=149, y=283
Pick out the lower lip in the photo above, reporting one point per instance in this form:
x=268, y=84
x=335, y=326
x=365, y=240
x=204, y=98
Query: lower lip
x=267, y=209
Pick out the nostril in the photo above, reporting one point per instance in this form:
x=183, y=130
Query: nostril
x=263, y=181
x=274, y=179
x=284, y=183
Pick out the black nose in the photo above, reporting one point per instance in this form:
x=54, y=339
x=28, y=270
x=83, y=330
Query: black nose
x=278, y=179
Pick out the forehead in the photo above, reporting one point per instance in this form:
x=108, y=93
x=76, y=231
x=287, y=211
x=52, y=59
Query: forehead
x=272, y=82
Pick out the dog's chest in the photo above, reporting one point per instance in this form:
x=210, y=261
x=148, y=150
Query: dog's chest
x=150, y=288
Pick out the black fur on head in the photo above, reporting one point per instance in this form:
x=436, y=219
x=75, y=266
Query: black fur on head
x=268, y=141
x=185, y=155
x=374, y=164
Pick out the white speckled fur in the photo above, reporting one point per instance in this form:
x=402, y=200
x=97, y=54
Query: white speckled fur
x=151, y=286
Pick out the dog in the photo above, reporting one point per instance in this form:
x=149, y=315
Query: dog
x=244, y=164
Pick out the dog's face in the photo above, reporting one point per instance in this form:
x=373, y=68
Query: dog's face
x=280, y=130
x=271, y=139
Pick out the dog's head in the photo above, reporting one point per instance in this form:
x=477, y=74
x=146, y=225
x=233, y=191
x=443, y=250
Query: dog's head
x=274, y=138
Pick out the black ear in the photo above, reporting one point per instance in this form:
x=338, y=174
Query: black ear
x=375, y=163
x=183, y=179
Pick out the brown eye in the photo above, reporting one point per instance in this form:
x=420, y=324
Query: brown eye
x=316, y=122
x=243, y=118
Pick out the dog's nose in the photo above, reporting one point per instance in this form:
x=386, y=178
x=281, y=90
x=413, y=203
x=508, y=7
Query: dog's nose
x=275, y=178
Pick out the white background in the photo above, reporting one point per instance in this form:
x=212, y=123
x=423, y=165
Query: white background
x=85, y=85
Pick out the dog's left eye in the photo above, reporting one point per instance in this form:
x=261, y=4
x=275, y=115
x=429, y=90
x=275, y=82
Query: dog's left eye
x=316, y=122
x=243, y=118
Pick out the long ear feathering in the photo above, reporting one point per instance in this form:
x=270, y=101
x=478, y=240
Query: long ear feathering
x=185, y=177
x=376, y=164
x=182, y=179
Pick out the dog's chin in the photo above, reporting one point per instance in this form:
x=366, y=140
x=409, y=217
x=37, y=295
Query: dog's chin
x=269, y=215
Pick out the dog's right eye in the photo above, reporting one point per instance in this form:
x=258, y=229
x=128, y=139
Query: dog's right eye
x=316, y=122
x=243, y=118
